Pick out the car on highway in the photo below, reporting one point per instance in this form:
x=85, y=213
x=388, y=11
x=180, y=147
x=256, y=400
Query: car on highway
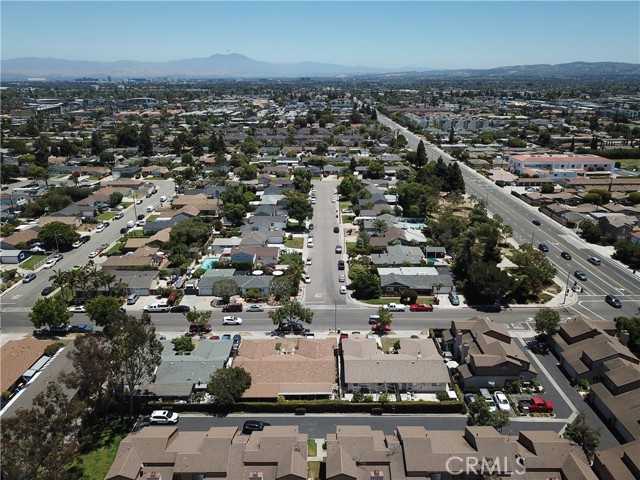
x=536, y=222
x=565, y=255
x=343, y=290
x=29, y=277
x=421, y=307
x=580, y=275
x=180, y=308
x=231, y=320
x=93, y=254
x=47, y=290
x=501, y=401
x=543, y=247
x=50, y=263
x=78, y=309
x=594, y=260
x=613, y=301
x=253, y=426
x=164, y=417
x=255, y=308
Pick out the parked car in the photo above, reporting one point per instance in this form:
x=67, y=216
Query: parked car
x=340, y=264
x=118, y=216
x=60, y=330
x=613, y=301
x=394, y=307
x=336, y=229
x=93, y=254
x=29, y=277
x=196, y=328
x=338, y=249
x=565, y=255
x=77, y=244
x=141, y=223
x=85, y=238
x=307, y=278
x=231, y=320
x=580, y=275
x=286, y=328
x=77, y=309
x=133, y=298
x=543, y=247
x=140, y=216
x=309, y=261
x=343, y=290
x=454, y=299
x=82, y=328
x=469, y=398
x=180, y=308
x=164, y=417
x=501, y=401
x=255, y=308
x=421, y=307
x=232, y=307
x=253, y=426
x=373, y=319
x=100, y=228
x=379, y=328
x=157, y=308
x=47, y=290
x=342, y=278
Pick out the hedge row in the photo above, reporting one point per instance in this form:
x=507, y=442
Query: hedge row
x=313, y=406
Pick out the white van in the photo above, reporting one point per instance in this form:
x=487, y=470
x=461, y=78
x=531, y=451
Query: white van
x=150, y=208
x=131, y=224
x=163, y=198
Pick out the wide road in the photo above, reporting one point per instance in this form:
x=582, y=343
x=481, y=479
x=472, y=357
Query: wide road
x=609, y=278
x=22, y=297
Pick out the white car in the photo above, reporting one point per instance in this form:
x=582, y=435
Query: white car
x=164, y=417
x=231, y=320
x=309, y=261
x=141, y=223
x=501, y=401
x=93, y=254
x=343, y=290
x=77, y=309
x=342, y=278
x=77, y=244
x=100, y=228
x=50, y=263
x=157, y=307
x=310, y=243
x=394, y=307
x=307, y=279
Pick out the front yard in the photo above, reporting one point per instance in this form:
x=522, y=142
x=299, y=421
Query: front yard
x=32, y=261
x=385, y=300
x=106, y=216
x=295, y=242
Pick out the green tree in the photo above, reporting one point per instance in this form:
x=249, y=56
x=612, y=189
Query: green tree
x=380, y=227
x=115, y=198
x=137, y=353
x=145, y=144
x=302, y=180
x=478, y=413
x=421, y=158
x=57, y=235
x=101, y=309
x=628, y=253
x=547, y=321
x=200, y=318
x=364, y=282
x=298, y=206
x=249, y=145
x=486, y=283
x=49, y=312
x=37, y=173
x=375, y=170
x=583, y=434
x=9, y=171
x=290, y=310
x=97, y=144
x=183, y=344
x=190, y=232
x=225, y=289
x=534, y=271
x=591, y=231
x=632, y=326
x=227, y=385
x=234, y=212
x=282, y=287
x=37, y=443
x=127, y=136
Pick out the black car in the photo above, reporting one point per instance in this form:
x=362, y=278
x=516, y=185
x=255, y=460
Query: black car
x=85, y=238
x=536, y=222
x=336, y=229
x=543, y=247
x=180, y=308
x=291, y=327
x=141, y=216
x=340, y=264
x=47, y=290
x=613, y=301
x=253, y=426
x=123, y=231
x=565, y=255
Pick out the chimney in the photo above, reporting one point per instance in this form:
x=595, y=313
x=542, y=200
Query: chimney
x=464, y=352
x=624, y=338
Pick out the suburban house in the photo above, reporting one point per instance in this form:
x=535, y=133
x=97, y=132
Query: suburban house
x=164, y=452
x=178, y=376
x=130, y=262
x=140, y=282
x=618, y=463
x=204, y=204
x=617, y=397
x=488, y=355
x=125, y=172
x=253, y=239
x=618, y=225
x=21, y=360
x=305, y=371
x=210, y=277
x=220, y=244
x=399, y=236
x=253, y=282
x=360, y=453
x=399, y=255
x=583, y=346
x=13, y=257
x=424, y=280
x=270, y=222
x=168, y=218
x=560, y=166
x=418, y=367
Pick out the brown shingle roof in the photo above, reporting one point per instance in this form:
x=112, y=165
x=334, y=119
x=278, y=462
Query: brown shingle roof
x=16, y=356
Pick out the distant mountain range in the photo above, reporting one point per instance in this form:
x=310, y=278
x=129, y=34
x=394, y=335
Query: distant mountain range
x=239, y=66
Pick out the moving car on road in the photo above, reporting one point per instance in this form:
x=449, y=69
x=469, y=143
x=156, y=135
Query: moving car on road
x=231, y=320
x=580, y=275
x=29, y=277
x=421, y=307
x=565, y=255
x=613, y=301
x=543, y=247
x=180, y=308
x=255, y=308
x=50, y=263
x=254, y=426
x=47, y=290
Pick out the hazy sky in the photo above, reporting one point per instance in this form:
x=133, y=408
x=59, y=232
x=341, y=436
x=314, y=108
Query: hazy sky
x=425, y=34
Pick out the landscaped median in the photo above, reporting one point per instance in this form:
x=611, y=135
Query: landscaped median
x=314, y=406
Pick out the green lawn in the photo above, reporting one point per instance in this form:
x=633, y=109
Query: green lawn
x=97, y=452
x=115, y=249
x=295, y=242
x=106, y=216
x=313, y=448
x=629, y=163
x=60, y=175
x=125, y=205
x=314, y=469
x=30, y=262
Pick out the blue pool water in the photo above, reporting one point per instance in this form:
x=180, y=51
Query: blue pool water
x=209, y=263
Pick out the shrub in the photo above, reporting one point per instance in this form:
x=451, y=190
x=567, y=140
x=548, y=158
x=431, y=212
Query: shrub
x=51, y=350
x=376, y=411
x=301, y=411
x=383, y=397
x=442, y=396
x=583, y=384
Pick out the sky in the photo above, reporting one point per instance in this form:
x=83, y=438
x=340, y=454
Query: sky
x=387, y=34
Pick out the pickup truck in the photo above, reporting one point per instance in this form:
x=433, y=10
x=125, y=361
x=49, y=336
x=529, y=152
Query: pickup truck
x=395, y=307
x=535, y=404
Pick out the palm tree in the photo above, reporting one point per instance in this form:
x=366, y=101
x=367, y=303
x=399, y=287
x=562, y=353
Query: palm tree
x=380, y=226
x=120, y=288
x=107, y=279
x=60, y=279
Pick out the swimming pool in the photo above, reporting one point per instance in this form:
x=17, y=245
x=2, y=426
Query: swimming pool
x=209, y=263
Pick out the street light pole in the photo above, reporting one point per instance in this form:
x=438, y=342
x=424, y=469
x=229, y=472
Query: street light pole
x=57, y=246
x=566, y=288
x=532, y=235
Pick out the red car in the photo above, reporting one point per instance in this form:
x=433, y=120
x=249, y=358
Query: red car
x=421, y=307
x=379, y=328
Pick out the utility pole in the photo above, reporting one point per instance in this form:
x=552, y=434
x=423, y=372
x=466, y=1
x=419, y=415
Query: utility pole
x=532, y=235
x=566, y=288
x=57, y=247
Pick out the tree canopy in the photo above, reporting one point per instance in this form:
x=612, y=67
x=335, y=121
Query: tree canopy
x=49, y=312
x=478, y=413
x=63, y=234
x=547, y=321
x=583, y=434
x=227, y=385
x=290, y=310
